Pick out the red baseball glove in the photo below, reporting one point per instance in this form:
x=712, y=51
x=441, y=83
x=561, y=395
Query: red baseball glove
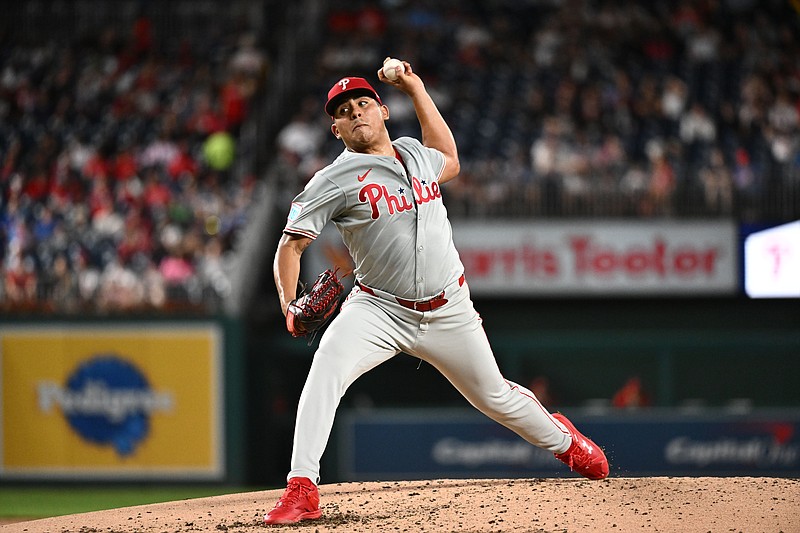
x=312, y=310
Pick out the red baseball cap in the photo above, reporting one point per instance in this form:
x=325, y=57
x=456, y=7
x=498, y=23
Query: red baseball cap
x=346, y=86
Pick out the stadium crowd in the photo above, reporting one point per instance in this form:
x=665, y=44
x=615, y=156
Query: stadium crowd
x=109, y=203
x=588, y=108
x=560, y=108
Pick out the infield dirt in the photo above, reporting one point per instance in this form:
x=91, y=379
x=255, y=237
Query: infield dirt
x=669, y=504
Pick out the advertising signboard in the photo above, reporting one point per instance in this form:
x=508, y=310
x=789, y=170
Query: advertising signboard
x=424, y=444
x=772, y=262
x=581, y=257
x=141, y=401
x=599, y=257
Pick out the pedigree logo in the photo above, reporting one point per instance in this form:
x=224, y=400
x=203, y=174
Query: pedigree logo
x=107, y=401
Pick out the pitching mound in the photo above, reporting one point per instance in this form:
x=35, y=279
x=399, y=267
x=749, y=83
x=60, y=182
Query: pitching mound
x=533, y=505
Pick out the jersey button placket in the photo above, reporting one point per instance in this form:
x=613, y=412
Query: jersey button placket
x=420, y=265
x=421, y=262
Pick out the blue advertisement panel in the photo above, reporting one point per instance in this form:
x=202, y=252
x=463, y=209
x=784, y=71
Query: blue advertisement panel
x=421, y=444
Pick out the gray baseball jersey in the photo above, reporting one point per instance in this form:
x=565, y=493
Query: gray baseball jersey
x=391, y=217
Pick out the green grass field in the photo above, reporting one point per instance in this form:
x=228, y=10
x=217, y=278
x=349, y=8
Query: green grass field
x=43, y=502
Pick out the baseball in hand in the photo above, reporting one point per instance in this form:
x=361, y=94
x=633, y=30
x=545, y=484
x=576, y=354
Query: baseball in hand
x=391, y=68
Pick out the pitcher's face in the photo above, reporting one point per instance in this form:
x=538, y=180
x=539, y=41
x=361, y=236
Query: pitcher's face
x=359, y=122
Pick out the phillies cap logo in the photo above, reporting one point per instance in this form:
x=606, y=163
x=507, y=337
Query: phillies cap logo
x=346, y=86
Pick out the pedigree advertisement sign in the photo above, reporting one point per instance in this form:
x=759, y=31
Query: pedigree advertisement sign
x=599, y=257
x=138, y=402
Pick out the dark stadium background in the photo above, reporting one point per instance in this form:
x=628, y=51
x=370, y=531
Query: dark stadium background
x=88, y=87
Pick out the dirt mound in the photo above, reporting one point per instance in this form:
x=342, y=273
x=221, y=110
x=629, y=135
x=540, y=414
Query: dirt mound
x=449, y=505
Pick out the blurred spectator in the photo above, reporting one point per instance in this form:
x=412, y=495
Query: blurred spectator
x=717, y=185
x=674, y=98
x=62, y=291
x=543, y=390
x=634, y=185
x=696, y=126
x=177, y=273
x=213, y=271
x=303, y=137
x=136, y=238
x=550, y=156
x=631, y=395
x=120, y=289
x=154, y=293
x=249, y=60
x=662, y=180
x=20, y=283
x=748, y=184
x=156, y=193
x=88, y=277
x=183, y=163
x=205, y=117
x=783, y=132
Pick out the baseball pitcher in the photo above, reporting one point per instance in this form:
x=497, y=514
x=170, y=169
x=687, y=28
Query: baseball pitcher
x=410, y=294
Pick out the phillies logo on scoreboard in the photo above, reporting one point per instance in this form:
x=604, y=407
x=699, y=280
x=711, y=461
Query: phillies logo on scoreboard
x=377, y=194
x=106, y=401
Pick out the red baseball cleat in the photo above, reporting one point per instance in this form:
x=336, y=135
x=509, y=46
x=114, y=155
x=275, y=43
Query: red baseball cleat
x=300, y=501
x=583, y=456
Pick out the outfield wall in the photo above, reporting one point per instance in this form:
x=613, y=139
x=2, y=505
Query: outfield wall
x=457, y=443
x=215, y=403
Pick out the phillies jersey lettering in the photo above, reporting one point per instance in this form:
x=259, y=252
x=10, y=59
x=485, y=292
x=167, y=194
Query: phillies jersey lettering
x=378, y=194
x=391, y=218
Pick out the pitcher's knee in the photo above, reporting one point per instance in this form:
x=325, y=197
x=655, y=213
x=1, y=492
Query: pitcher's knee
x=500, y=404
x=325, y=370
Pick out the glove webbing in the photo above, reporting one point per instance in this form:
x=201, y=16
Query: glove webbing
x=323, y=303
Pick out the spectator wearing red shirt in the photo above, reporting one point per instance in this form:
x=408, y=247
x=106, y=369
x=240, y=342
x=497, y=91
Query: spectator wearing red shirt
x=20, y=280
x=37, y=187
x=233, y=101
x=156, y=194
x=182, y=163
x=205, y=119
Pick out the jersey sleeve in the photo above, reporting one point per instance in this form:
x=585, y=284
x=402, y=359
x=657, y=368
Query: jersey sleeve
x=434, y=158
x=317, y=204
x=437, y=160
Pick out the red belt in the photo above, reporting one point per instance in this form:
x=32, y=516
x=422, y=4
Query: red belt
x=418, y=305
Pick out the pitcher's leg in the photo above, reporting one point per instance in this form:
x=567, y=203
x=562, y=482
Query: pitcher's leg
x=463, y=355
x=347, y=350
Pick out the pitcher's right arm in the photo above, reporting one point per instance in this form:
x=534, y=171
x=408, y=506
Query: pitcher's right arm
x=286, y=266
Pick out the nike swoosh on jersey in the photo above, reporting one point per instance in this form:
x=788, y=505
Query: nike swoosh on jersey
x=364, y=176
